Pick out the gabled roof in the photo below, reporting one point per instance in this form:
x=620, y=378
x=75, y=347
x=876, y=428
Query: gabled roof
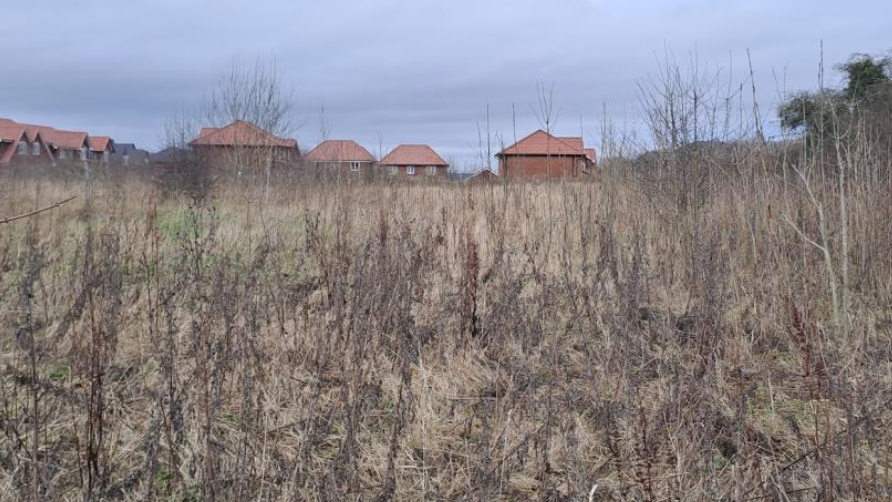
x=123, y=148
x=413, y=155
x=31, y=130
x=66, y=140
x=169, y=154
x=10, y=134
x=483, y=175
x=240, y=133
x=340, y=150
x=542, y=143
x=101, y=143
x=591, y=155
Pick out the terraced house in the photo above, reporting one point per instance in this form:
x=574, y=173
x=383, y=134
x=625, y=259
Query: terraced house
x=39, y=144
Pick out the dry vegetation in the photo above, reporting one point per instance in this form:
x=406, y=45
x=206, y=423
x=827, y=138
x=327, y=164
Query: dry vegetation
x=508, y=342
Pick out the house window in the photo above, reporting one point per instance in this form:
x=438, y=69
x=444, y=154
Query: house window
x=35, y=148
x=354, y=167
x=410, y=169
x=83, y=153
x=431, y=170
x=22, y=148
x=105, y=156
x=63, y=154
x=394, y=169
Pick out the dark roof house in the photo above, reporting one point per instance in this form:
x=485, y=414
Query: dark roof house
x=127, y=154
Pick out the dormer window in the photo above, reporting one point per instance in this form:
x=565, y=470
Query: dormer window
x=35, y=148
x=22, y=148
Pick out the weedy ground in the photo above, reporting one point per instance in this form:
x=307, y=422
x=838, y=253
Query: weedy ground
x=346, y=341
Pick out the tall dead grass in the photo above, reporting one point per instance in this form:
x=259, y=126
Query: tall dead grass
x=335, y=341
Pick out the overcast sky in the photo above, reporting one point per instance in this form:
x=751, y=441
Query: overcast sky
x=407, y=71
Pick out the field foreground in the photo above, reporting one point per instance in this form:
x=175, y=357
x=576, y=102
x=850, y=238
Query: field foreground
x=391, y=342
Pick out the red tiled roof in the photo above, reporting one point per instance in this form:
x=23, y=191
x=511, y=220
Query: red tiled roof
x=11, y=133
x=591, y=155
x=240, y=133
x=413, y=155
x=99, y=143
x=542, y=143
x=66, y=140
x=32, y=131
x=340, y=150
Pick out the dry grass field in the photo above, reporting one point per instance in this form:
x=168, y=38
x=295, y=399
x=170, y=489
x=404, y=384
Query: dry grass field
x=337, y=341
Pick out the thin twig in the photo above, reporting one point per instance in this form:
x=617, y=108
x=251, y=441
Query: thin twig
x=38, y=211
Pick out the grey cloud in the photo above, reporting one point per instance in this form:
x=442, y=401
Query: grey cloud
x=419, y=71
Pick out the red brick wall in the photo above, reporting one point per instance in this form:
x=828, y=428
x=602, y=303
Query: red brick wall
x=420, y=172
x=541, y=166
x=226, y=158
x=341, y=167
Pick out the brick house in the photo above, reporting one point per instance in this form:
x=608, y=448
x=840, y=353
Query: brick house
x=414, y=161
x=101, y=148
x=482, y=177
x=68, y=146
x=542, y=155
x=20, y=144
x=342, y=156
x=48, y=145
x=241, y=144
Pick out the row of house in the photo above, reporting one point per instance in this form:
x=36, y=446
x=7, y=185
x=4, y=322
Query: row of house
x=539, y=155
x=32, y=143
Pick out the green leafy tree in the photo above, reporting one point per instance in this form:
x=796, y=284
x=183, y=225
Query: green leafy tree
x=868, y=88
x=865, y=74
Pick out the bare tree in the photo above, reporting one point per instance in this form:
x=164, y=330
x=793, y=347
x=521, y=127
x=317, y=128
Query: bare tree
x=255, y=94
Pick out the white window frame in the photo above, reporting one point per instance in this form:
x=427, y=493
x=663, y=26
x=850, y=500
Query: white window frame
x=35, y=148
x=354, y=167
x=394, y=169
x=21, y=148
x=431, y=170
x=410, y=170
